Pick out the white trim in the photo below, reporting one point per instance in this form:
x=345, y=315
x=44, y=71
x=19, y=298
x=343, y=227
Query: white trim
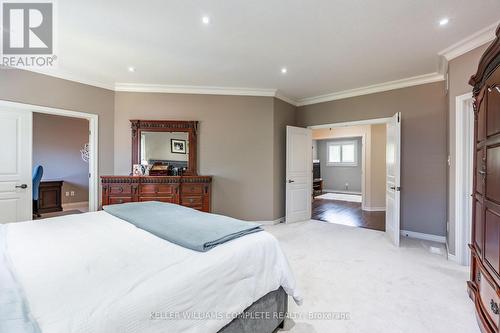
x=374, y=209
x=78, y=78
x=202, y=90
x=379, y=87
x=205, y=90
x=463, y=174
x=451, y=257
x=341, y=192
x=287, y=99
x=374, y=121
x=469, y=43
x=93, y=141
x=419, y=235
x=273, y=222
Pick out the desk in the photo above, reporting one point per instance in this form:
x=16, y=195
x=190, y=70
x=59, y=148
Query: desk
x=50, y=198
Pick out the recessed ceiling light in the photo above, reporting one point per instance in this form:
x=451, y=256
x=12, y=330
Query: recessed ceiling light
x=205, y=19
x=444, y=21
x=284, y=70
x=131, y=69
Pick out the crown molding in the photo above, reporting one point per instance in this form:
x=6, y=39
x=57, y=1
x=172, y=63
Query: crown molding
x=183, y=89
x=289, y=100
x=391, y=85
x=78, y=78
x=470, y=43
x=202, y=90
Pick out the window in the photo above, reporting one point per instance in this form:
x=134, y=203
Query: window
x=342, y=153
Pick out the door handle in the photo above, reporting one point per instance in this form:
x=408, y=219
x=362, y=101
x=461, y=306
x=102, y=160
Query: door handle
x=23, y=186
x=291, y=181
x=395, y=188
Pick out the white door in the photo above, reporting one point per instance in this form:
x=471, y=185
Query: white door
x=15, y=165
x=392, y=197
x=298, y=174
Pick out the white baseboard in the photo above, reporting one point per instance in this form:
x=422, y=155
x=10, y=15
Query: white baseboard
x=451, y=257
x=343, y=192
x=274, y=222
x=84, y=205
x=419, y=235
x=374, y=209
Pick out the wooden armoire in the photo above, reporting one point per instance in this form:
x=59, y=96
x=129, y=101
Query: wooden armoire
x=484, y=284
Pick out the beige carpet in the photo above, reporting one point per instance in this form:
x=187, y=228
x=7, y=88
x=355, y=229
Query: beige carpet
x=378, y=287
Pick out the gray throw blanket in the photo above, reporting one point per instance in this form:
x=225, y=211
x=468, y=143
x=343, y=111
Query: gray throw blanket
x=183, y=226
x=15, y=316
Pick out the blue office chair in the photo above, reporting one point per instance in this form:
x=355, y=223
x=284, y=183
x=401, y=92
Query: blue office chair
x=37, y=178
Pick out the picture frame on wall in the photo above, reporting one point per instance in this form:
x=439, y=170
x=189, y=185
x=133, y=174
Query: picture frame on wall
x=178, y=146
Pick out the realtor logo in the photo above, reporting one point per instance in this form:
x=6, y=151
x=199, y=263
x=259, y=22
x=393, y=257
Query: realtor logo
x=27, y=29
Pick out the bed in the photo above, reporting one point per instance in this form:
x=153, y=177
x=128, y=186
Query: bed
x=95, y=272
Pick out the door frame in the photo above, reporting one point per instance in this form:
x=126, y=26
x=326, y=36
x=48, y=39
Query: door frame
x=375, y=121
x=93, y=120
x=464, y=136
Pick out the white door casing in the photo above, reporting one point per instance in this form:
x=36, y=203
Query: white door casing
x=393, y=161
x=15, y=165
x=298, y=174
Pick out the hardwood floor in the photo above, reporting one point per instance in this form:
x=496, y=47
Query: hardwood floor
x=347, y=213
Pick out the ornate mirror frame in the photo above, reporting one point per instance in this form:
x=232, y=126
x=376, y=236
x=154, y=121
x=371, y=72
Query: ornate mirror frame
x=190, y=127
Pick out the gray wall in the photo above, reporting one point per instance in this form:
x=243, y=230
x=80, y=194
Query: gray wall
x=235, y=144
x=460, y=70
x=38, y=89
x=56, y=146
x=335, y=177
x=423, y=159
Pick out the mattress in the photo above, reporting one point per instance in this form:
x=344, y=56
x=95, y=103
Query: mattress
x=95, y=273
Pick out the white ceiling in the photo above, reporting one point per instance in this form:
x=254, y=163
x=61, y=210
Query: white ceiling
x=327, y=45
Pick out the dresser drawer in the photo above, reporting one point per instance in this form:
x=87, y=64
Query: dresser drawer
x=488, y=297
x=119, y=200
x=192, y=200
x=158, y=190
x=192, y=189
x=119, y=189
x=170, y=199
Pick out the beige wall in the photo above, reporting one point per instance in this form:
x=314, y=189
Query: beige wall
x=235, y=144
x=460, y=70
x=57, y=142
x=423, y=172
x=33, y=88
x=284, y=115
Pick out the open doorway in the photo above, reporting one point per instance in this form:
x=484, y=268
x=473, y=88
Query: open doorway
x=349, y=164
x=302, y=182
x=60, y=165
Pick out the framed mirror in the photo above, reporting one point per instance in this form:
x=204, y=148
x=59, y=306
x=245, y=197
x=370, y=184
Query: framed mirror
x=167, y=144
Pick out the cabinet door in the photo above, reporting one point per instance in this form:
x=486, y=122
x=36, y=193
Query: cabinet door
x=478, y=226
x=493, y=107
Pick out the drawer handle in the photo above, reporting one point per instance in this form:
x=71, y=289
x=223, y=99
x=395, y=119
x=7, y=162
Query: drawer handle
x=121, y=189
x=494, y=307
x=191, y=200
x=478, y=277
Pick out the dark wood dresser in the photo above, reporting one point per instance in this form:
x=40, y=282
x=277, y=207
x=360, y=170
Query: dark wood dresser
x=189, y=191
x=484, y=284
x=50, y=196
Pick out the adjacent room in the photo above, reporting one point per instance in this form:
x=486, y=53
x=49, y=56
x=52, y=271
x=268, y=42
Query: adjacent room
x=349, y=181
x=60, y=165
x=225, y=166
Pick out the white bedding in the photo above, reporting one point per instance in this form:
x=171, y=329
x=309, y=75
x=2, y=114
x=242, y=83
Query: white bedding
x=96, y=273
